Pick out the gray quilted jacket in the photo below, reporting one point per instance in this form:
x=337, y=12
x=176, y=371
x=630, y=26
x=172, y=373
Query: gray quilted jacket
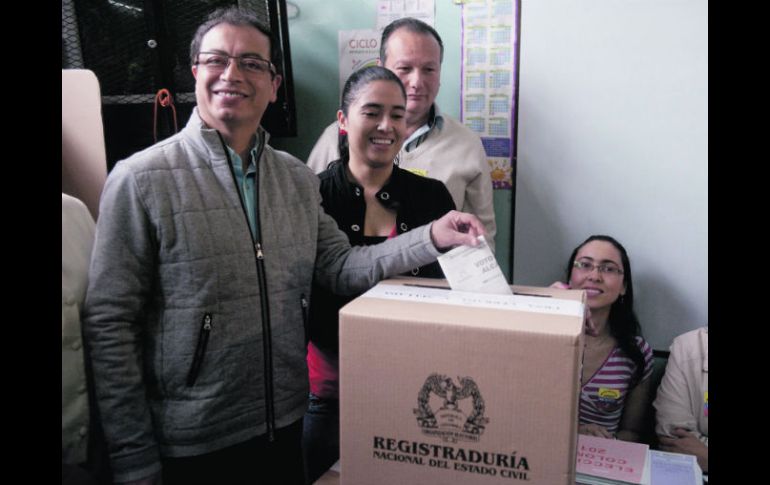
x=196, y=328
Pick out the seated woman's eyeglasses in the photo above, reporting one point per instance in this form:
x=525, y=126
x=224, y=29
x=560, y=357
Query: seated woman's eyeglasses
x=217, y=62
x=605, y=269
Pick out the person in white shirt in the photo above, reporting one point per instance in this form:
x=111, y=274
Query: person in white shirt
x=83, y=452
x=681, y=405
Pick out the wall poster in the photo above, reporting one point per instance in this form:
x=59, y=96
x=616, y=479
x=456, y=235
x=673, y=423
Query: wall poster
x=488, y=80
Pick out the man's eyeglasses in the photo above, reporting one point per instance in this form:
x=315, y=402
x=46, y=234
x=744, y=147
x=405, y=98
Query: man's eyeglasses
x=217, y=62
x=605, y=269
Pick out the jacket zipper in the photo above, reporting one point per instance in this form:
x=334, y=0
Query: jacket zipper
x=200, y=349
x=266, y=341
x=267, y=348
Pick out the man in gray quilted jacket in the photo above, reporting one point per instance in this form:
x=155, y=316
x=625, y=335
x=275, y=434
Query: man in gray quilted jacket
x=206, y=247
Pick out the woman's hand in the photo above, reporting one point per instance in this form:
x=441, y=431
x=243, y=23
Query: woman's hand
x=590, y=326
x=595, y=430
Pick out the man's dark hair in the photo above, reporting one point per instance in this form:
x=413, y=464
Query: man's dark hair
x=238, y=17
x=412, y=25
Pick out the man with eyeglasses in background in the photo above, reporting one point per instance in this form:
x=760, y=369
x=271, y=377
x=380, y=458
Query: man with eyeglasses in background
x=437, y=146
x=206, y=247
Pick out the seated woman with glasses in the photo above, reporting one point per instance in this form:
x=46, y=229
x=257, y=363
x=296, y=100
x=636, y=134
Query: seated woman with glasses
x=618, y=362
x=371, y=199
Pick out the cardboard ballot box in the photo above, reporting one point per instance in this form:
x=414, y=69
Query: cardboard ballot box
x=439, y=387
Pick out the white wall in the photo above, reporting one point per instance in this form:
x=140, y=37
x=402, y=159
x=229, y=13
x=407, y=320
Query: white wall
x=613, y=136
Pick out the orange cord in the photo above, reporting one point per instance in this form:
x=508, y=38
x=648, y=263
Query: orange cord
x=164, y=98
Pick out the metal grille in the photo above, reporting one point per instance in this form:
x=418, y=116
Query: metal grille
x=187, y=16
x=70, y=41
x=136, y=47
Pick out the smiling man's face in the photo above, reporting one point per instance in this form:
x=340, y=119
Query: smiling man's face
x=233, y=99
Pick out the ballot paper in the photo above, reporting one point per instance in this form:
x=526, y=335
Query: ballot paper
x=474, y=269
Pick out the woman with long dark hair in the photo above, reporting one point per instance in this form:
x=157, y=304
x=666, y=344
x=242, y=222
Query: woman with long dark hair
x=618, y=361
x=372, y=200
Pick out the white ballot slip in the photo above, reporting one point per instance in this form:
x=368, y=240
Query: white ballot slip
x=474, y=269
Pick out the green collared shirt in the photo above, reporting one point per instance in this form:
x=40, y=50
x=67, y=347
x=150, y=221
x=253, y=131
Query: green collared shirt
x=246, y=183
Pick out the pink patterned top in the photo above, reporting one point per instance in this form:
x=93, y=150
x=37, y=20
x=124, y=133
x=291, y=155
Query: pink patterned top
x=603, y=396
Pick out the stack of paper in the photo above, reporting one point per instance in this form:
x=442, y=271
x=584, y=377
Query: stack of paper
x=674, y=469
x=602, y=461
